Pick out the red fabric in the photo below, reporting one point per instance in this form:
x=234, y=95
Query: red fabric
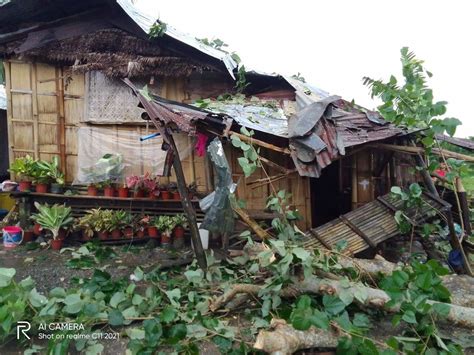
x=441, y=172
x=201, y=144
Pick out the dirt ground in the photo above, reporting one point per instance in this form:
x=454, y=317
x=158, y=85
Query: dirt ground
x=48, y=269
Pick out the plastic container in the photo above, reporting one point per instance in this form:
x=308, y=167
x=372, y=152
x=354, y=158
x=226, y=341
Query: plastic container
x=12, y=237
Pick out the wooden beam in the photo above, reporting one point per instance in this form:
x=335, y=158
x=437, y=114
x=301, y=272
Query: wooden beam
x=276, y=166
x=260, y=143
x=357, y=230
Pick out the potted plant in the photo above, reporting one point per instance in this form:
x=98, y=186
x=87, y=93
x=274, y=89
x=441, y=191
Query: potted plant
x=92, y=190
x=135, y=183
x=142, y=224
x=24, y=169
x=40, y=177
x=109, y=189
x=181, y=223
x=165, y=225
x=129, y=225
x=173, y=188
x=150, y=185
x=49, y=172
x=165, y=193
x=85, y=225
x=28, y=234
x=117, y=223
x=103, y=224
x=152, y=228
x=123, y=191
x=54, y=218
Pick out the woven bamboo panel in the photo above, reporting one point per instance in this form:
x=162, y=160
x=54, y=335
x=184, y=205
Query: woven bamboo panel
x=374, y=221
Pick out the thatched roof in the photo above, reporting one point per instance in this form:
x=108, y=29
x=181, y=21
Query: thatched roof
x=116, y=53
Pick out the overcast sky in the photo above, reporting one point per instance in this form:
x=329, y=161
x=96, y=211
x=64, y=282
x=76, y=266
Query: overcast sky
x=335, y=43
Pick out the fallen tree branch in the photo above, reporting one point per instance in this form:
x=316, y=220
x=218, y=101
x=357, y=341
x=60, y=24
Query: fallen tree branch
x=375, y=298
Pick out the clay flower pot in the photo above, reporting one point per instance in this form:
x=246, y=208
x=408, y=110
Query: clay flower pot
x=165, y=195
x=92, y=190
x=141, y=233
x=152, y=195
x=109, y=191
x=27, y=236
x=104, y=235
x=165, y=240
x=123, y=192
x=178, y=232
x=176, y=196
x=152, y=232
x=85, y=237
x=139, y=193
x=62, y=234
x=116, y=234
x=42, y=188
x=37, y=229
x=178, y=237
x=24, y=186
x=128, y=232
x=56, y=244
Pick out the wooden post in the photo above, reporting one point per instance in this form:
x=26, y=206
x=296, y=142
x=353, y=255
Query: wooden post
x=464, y=206
x=355, y=202
x=187, y=206
x=424, y=173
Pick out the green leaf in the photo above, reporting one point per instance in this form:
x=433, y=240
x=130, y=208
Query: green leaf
x=174, y=296
x=177, y=332
x=168, y=314
x=116, y=318
x=424, y=280
x=304, y=302
x=117, y=298
x=442, y=309
x=6, y=276
x=301, y=253
x=409, y=317
x=194, y=276
x=36, y=299
x=320, y=319
x=301, y=319
x=333, y=305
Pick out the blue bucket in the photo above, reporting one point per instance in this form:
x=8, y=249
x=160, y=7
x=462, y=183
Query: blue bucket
x=12, y=236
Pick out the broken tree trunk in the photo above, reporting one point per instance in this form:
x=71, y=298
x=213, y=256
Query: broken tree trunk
x=375, y=298
x=284, y=339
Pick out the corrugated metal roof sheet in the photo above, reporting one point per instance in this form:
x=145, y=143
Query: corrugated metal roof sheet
x=145, y=22
x=370, y=224
x=460, y=142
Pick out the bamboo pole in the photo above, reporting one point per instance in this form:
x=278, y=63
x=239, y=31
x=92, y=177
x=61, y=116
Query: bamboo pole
x=420, y=150
x=8, y=83
x=260, y=143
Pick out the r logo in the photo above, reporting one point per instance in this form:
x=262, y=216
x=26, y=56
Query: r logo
x=22, y=327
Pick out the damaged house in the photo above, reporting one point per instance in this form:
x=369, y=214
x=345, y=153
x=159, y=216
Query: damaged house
x=64, y=65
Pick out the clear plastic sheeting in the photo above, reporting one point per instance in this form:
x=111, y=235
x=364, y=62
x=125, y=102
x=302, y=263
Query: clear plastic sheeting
x=125, y=154
x=219, y=216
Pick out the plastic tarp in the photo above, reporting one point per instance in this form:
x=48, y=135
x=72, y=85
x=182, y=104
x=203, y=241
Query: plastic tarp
x=125, y=154
x=219, y=216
